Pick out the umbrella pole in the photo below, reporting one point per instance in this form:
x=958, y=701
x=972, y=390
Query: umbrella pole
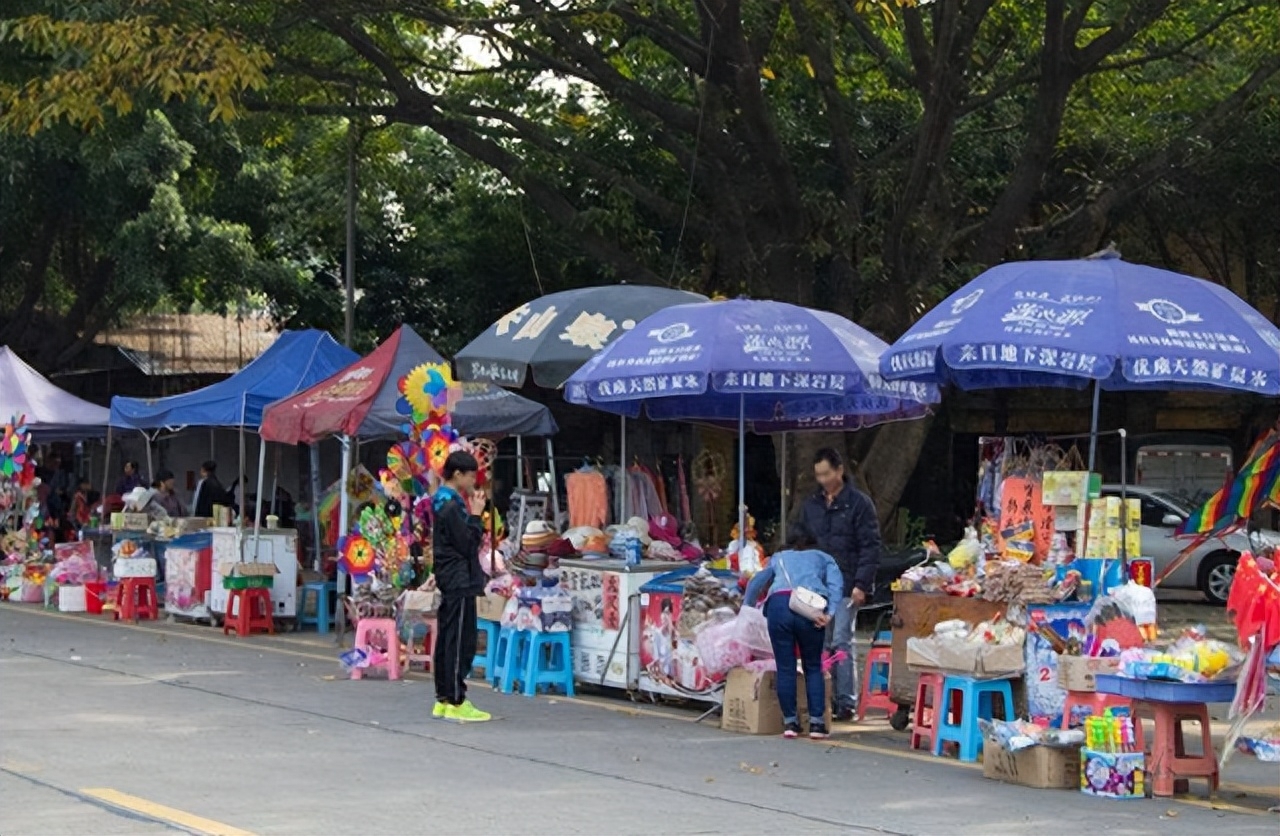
x=1093, y=424
x=520, y=462
x=622, y=460
x=782, y=521
x=1124, y=503
x=343, y=510
x=742, y=474
x=315, y=506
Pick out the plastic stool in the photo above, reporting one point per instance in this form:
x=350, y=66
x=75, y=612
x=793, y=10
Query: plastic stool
x=1098, y=703
x=323, y=617
x=924, y=721
x=1168, y=765
x=379, y=636
x=431, y=630
x=488, y=661
x=136, y=600
x=964, y=701
x=249, y=610
x=510, y=660
x=875, y=682
x=549, y=663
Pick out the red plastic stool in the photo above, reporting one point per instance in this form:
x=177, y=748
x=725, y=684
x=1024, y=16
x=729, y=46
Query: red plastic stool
x=1098, y=703
x=136, y=600
x=249, y=610
x=379, y=636
x=1168, y=765
x=925, y=715
x=875, y=682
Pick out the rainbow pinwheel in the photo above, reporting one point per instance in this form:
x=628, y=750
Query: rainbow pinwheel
x=358, y=556
x=14, y=444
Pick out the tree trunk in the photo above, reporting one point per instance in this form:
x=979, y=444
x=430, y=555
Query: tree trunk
x=888, y=465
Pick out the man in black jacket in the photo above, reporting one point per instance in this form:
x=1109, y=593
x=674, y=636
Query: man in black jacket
x=455, y=543
x=844, y=521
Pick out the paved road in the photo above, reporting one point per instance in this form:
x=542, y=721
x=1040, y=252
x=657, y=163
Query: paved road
x=119, y=729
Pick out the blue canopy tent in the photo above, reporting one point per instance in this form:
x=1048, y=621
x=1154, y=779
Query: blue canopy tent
x=295, y=361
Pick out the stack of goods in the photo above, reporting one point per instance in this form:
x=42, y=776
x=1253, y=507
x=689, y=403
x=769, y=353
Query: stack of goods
x=131, y=560
x=628, y=542
x=1113, y=523
x=991, y=648
x=374, y=600
x=1015, y=582
x=703, y=593
x=1111, y=764
x=668, y=541
x=545, y=607
x=1016, y=735
x=934, y=577
x=535, y=546
x=1191, y=658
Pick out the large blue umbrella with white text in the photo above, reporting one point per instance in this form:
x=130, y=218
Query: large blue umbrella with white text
x=1097, y=321
x=770, y=364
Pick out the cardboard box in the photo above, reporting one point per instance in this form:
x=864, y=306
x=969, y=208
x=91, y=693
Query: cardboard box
x=965, y=658
x=1077, y=673
x=1064, y=487
x=751, y=703
x=489, y=607
x=1132, y=542
x=1133, y=514
x=1120, y=775
x=189, y=525
x=1001, y=659
x=130, y=522
x=1042, y=767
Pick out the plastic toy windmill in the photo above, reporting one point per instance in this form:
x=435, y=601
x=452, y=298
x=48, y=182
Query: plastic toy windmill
x=14, y=445
x=358, y=557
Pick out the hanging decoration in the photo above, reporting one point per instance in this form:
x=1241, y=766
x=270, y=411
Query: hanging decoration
x=15, y=463
x=358, y=558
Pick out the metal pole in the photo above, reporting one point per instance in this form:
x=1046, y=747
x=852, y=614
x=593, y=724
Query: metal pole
x=343, y=511
x=555, y=489
x=315, y=506
x=1093, y=425
x=1124, y=504
x=520, y=462
x=742, y=474
x=351, y=232
x=782, y=525
x=257, y=502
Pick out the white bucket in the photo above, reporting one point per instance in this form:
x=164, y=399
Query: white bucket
x=71, y=599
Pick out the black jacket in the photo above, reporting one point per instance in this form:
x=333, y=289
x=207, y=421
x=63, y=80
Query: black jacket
x=455, y=547
x=208, y=494
x=849, y=531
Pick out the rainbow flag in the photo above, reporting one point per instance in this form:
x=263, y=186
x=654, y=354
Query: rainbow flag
x=1256, y=484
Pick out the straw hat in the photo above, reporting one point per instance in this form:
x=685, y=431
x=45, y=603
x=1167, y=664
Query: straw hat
x=538, y=535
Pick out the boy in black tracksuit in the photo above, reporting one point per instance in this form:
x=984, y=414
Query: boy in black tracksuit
x=455, y=543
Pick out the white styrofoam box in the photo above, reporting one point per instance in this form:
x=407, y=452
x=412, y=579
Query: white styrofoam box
x=71, y=599
x=134, y=567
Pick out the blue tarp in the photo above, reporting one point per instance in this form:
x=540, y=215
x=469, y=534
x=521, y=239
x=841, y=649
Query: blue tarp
x=295, y=361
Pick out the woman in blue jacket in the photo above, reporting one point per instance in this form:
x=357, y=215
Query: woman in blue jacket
x=799, y=565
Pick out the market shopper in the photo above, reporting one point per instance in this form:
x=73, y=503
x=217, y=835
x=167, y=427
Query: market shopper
x=455, y=541
x=209, y=491
x=843, y=521
x=800, y=565
x=167, y=497
x=131, y=479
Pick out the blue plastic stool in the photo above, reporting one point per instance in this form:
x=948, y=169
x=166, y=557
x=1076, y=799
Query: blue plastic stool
x=509, y=663
x=549, y=663
x=487, y=662
x=323, y=616
x=959, y=724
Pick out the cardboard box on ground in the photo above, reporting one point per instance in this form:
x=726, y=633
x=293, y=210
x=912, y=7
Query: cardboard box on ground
x=751, y=702
x=1042, y=767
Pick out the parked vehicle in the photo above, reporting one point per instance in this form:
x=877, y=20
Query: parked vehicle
x=1212, y=567
x=1191, y=472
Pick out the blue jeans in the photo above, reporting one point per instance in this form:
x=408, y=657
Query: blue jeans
x=787, y=631
x=840, y=637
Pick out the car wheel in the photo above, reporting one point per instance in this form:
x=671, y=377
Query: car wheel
x=1217, y=571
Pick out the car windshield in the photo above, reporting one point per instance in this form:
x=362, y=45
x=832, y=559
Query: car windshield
x=1174, y=501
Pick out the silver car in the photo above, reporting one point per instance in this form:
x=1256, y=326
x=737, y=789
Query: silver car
x=1211, y=567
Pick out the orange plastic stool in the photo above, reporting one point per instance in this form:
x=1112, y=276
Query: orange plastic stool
x=1168, y=765
x=379, y=636
x=136, y=600
x=925, y=714
x=249, y=610
x=875, y=682
x=1098, y=703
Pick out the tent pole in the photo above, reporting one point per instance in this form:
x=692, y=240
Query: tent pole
x=782, y=521
x=1093, y=425
x=240, y=482
x=343, y=510
x=315, y=506
x=555, y=491
x=520, y=462
x=742, y=474
x=622, y=460
x=106, y=478
x=257, y=500
x=275, y=481
x=151, y=471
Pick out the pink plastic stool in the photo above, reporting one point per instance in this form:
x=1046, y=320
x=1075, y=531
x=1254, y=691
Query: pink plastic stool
x=381, y=640
x=1169, y=767
x=924, y=722
x=1098, y=703
x=875, y=682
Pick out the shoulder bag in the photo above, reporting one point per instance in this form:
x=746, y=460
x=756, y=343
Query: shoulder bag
x=805, y=601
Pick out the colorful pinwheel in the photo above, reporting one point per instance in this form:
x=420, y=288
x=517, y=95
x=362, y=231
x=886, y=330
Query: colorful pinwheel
x=358, y=557
x=14, y=444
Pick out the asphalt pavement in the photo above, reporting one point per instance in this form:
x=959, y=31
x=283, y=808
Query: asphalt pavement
x=120, y=729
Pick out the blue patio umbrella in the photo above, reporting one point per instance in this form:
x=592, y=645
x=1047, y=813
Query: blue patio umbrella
x=1099, y=320
x=770, y=364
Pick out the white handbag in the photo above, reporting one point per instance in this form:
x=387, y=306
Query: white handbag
x=805, y=601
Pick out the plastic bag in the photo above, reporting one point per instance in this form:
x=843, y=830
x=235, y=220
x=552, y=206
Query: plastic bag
x=1138, y=601
x=726, y=641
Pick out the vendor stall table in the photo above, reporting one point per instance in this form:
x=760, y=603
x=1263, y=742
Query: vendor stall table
x=606, y=618
x=278, y=546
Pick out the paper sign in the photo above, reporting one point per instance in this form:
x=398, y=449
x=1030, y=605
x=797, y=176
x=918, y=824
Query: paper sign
x=1021, y=502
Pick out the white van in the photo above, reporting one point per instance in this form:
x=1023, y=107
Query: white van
x=1190, y=472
